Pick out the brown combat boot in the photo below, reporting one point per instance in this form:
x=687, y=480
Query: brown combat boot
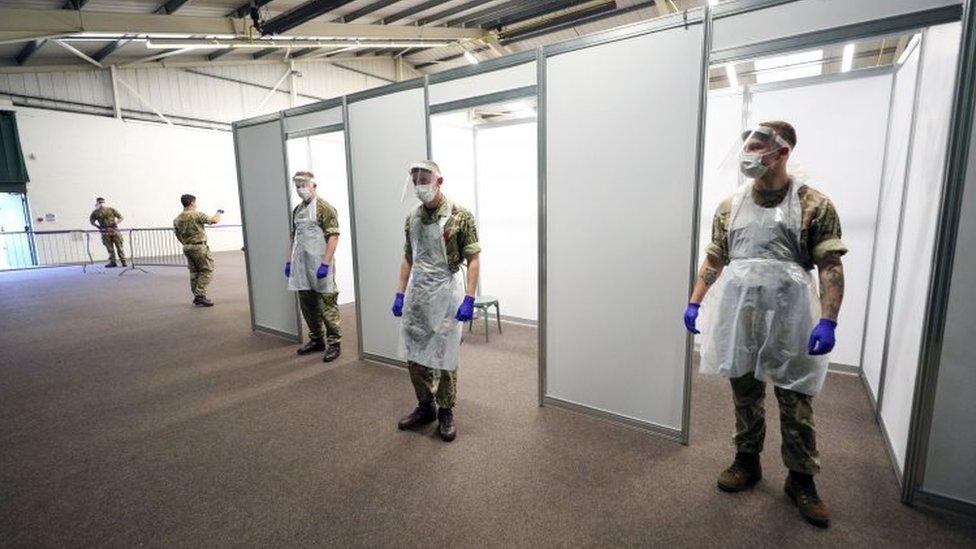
x=202, y=301
x=424, y=413
x=332, y=353
x=743, y=473
x=313, y=346
x=803, y=492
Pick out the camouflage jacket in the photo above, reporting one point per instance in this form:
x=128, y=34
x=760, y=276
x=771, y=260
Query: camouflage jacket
x=820, y=232
x=460, y=232
x=325, y=215
x=188, y=227
x=107, y=217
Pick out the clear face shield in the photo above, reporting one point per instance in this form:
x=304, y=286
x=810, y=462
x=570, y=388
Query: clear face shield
x=422, y=179
x=748, y=155
x=304, y=186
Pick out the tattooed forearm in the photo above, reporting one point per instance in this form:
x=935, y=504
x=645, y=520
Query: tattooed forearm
x=708, y=275
x=831, y=272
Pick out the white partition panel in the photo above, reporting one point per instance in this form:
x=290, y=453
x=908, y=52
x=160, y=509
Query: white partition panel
x=312, y=120
x=806, y=16
x=940, y=46
x=840, y=128
x=264, y=215
x=723, y=125
x=620, y=178
x=889, y=210
x=386, y=134
x=509, y=78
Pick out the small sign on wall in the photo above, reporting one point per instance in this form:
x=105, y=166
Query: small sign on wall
x=49, y=217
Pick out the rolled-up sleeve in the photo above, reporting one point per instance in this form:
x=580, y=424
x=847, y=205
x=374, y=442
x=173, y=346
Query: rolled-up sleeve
x=468, y=231
x=718, y=247
x=825, y=233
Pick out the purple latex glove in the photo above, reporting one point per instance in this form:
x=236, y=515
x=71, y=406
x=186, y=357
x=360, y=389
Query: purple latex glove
x=822, y=338
x=288, y=269
x=322, y=272
x=398, y=305
x=691, y=316
x=466, y=311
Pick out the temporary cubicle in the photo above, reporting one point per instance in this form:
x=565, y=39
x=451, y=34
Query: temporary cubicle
x=620, y=149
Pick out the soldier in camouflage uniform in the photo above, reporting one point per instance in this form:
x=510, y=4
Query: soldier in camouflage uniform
x=190, y=231
x=106, y=219
x=446, y=235
x=816, y=242
x=311, y=268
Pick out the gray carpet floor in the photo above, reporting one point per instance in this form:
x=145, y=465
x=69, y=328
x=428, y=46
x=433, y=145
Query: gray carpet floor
x=128, y=418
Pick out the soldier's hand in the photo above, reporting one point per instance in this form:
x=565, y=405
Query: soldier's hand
x=322, y=272
x=288, y=269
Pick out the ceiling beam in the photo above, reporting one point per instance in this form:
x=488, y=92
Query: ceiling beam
x=28, y=50
x=449, y=58
x=264, y=53
x=403, y=14
x=302, y=13
x=451, y=11
x=487, y=14
x=245, y=9
x=219, y=53
x=170, y=7
x=599, y=13
x=365, y=10
x=74, y=4
x=109, y=49
x=537, y=9
x=18, y=22
x=302, y=53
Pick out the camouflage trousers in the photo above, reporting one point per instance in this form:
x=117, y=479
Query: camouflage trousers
x=201, y=266
x=799, y=449
x=321, y=310
x=113, y=241
x=431, y=383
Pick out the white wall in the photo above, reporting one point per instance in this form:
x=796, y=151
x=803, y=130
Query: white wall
x=940, y=46
x=840, y=130
x=452, y=145
x=508, y=211
x=325, y=156
x=140, y=168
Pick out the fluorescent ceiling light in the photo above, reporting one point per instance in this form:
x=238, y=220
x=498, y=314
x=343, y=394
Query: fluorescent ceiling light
x=470, y=57
x=788, y=67
x=847, y=63
x=732, y=76
x=712, y=2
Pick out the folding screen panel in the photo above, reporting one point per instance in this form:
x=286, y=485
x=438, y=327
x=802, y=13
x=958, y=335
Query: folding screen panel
x=889, y=211
x=386, y=134
x=263, y=182
x=620, y=155
x=940, y=47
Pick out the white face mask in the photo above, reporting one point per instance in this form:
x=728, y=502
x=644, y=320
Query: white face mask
x=304, y=192
x=751, y=164
x=426, y=193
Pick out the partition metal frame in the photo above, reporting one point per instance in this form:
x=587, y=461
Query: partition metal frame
x=949, y=206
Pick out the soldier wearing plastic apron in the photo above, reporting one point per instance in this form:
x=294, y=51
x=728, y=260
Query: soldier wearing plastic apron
x=433, y=298
x=763, y=320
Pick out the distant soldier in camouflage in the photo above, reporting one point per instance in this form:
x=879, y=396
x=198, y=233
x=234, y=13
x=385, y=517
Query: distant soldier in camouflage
x=440, y=235
x=310, y=268
x=759, y=322
x=189, y=229
x=106, y=219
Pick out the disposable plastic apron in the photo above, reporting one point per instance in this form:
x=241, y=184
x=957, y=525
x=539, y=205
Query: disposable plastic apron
x=759, y=315
x=307, y=253
x=430, y=335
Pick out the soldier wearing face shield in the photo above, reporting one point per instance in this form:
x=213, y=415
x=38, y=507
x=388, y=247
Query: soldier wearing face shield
x=433, y=298
x=310, y=267
x=761, y=318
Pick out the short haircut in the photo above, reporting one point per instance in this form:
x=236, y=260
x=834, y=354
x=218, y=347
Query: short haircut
x=784, y=130
x=99, y=199
x=187, y=199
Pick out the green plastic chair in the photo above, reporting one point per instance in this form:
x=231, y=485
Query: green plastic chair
x=482, y=303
